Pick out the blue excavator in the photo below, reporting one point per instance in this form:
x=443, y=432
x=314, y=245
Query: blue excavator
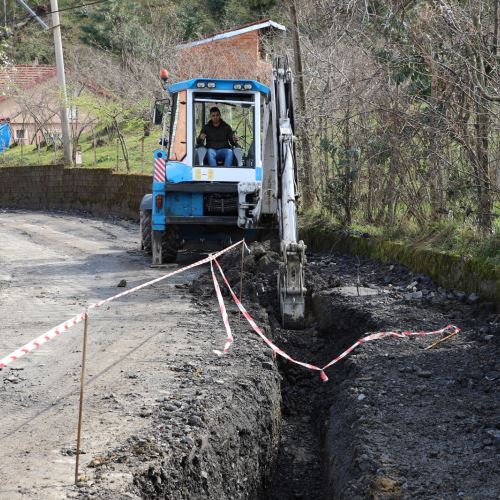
x=193, y=203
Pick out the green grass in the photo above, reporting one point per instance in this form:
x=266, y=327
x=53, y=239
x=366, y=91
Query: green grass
x=105, y=155
x=461, y=239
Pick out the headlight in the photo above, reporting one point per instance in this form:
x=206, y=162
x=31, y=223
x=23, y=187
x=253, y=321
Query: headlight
x=211, y=85
x=247, y=86
x=200, y=85
x=237, y=86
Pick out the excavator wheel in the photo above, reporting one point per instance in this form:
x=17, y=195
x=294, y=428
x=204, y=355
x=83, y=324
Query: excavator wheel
x=145, y=224
x=170, y=244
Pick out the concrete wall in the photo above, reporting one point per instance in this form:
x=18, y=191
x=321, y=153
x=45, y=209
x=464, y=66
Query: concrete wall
x=95, y=190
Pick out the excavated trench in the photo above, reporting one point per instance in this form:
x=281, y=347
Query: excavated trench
x=246, y=426
x=298, y=463
x=302, y=469
x=305, y=466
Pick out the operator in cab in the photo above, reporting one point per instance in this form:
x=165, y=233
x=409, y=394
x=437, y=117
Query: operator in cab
x=220, y=139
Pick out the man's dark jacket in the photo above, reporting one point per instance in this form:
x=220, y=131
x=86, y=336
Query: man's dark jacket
x=218, y=137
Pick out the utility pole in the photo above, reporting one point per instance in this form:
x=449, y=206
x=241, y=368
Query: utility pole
x=61, y=79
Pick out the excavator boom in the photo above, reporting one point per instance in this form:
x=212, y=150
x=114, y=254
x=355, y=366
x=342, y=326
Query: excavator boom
x=291, y=286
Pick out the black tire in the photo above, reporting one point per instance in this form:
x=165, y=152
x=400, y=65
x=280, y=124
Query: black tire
x=145, y=223
x=170, y=244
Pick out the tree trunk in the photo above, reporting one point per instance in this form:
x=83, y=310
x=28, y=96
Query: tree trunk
x=485, y=202
x=123, y=146
x=307, y=177
x=436, y=181
x=388, y=205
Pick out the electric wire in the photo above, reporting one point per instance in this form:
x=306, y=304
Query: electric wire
x=64, y=9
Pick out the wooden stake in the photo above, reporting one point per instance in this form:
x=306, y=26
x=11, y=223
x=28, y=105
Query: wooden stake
x=82, y=384
x=241, y=277
x=142, y=155
x=117, y=155
x=439, y=341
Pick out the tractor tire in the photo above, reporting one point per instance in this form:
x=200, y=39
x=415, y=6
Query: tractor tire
x=145, y=224
x=170, y=244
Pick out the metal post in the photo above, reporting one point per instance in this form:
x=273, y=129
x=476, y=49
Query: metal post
x=82, y=384
x=61, y=78
x=163, y=129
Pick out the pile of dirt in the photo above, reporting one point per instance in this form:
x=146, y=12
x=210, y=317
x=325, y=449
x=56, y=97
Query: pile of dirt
x=216, y=434
x=395, y=420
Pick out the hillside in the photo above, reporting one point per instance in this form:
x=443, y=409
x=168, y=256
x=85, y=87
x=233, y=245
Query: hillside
x=398, y=125
x=113, y=25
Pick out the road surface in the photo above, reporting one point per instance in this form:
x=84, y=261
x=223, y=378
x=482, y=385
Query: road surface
x=51, y=266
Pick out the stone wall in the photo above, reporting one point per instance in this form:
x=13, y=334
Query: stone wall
x=95, y=190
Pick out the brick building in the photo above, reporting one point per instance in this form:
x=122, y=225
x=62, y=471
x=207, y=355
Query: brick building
x=29, y=100
x=236, y=53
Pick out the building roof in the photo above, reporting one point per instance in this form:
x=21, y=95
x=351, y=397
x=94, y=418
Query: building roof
x=239, y=30
x=21, y=76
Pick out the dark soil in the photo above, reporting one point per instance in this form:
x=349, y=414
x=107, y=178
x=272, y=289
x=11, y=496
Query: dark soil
x=217, y=432
x=394, y=420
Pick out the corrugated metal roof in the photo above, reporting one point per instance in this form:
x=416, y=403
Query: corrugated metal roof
x=239, y=30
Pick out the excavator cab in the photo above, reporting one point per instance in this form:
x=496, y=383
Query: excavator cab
x=238, y=111
x=194, y=203
x=240, y=104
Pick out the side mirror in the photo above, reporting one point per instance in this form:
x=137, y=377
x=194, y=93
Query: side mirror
x=160, y=108
x=158, y=112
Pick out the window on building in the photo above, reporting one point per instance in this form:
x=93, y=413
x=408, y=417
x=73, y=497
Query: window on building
x=20, y=133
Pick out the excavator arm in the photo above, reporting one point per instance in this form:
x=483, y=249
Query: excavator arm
x=291, y=286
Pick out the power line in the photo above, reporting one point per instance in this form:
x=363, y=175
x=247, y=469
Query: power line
x=79, y=6
x=72, y=7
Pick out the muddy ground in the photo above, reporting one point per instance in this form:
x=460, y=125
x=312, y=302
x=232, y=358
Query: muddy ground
x=155, y=390
x=167, y=418
x=395, y=420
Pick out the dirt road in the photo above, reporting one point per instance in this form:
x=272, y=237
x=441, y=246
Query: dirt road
x=51, y=266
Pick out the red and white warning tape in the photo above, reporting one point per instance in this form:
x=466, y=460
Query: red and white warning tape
x=257, y=330
x=223, y=312
x=374, y=336
x=36, y=343
x=54, y=332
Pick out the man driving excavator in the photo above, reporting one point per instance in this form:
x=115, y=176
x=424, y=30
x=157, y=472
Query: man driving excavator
x=220, y=139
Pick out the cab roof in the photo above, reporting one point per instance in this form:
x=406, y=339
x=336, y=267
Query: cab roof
x=220, y=84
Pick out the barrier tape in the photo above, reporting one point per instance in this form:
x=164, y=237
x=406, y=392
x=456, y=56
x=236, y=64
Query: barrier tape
x=56, y=331
x=223, y=312
x=257, y=330
x=36, y=343
x=449, y=329
x=374, y=336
